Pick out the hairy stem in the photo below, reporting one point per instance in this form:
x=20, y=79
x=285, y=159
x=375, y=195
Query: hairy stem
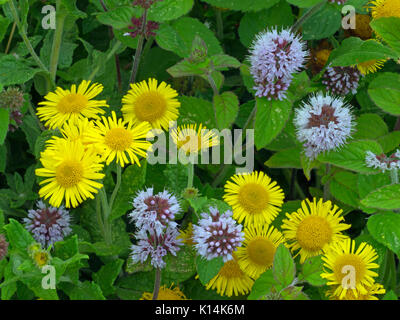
x=139, y=49
x=57, y=40
x=157, y=283
x=11, y=37
x=116, y=188
x=220, y=24
x=190, y=175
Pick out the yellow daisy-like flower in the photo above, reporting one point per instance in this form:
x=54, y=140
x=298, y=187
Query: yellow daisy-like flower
x=257, y=252
x=193, y=140
x=349, y=269
x=370, y=66
x=71, y=172
x=41, y=258
x=118, y=138
x=74, y=104
x=187, y=235
x=165, y=294
x=254, y=198
x=384, y=8
x=313, y=228
x=231, y=280
x=150, y=102
x=373, y=290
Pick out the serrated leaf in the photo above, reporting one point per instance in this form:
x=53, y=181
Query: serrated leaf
x=311, y=271
x=384, y=90
x=385, y=228
x=208, y=269
x=284, y=268
x=226, y=108
x=262, y=285
x=386, y=198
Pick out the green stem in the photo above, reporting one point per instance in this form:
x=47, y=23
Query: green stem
x=99, y=217
x=307, y=15
x=394, y=176
x=116, y=188
x=220, y=24
x=57, y=40
x=24, y=37
x=139, y=49
x=157, y=283
x=326, y=185
x=108, y=57
x=10, y=37
x=190, y=175
x=106, y=213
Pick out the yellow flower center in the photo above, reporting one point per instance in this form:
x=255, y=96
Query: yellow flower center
x=190, y=143
x=72, y=103
x=41, y=258
x=253, y=198
x=386, y=8
x=261, y=251
x=118, y=139
x=363, y=30
x=350, y=266
x=150, y=106
x=69, y=173
x=313, y=233
x=231, y=269
x=322, y=57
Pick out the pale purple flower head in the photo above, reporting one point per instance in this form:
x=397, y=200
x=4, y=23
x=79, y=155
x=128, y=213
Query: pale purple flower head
x=155, y=246
x=383, y=162
x=154, y=211
x=341, y=80
x=48, y=224
x=322, y=124
x=217, y=235
x=275, y=56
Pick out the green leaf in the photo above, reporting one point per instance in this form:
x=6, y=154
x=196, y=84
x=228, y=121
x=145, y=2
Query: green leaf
x=354, y=51
x=178, y=37
x=304, y=3
x=117, y=18
x=263, y=285
x=370, y=126
x=252, y=23
x=352, y=156
x=384, y=90
x=242, y=5
x=390, y=295
x=284, y=268
x=226, y=108
x=387, y=28
x=169, y=10
x=322, y=24
x=18, y=236
x=208, y=269
x=288, y=158
x=271, y=118
x=4, y=121
x=223, y=61
x=196, y=110
x=344, y=188
x=107, y=274
x=385, y=228
x=70, y=5
x=181, y=267
x=15, y=71
x=390, y=141
x=32, y=131
x=386, y=198
x=86, y=291
x=311, y=271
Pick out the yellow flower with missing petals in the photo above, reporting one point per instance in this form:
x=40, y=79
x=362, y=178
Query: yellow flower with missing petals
x=192, y=140
x=119, y=139
x=71, y=172
x=348, y=268
x=151, y=102
x=231, y=280
x=256, y=254
x=166, y=294
x=41, y=258
x=77, y=103
x=254, y=198
x=313, y=228
x=370, y=66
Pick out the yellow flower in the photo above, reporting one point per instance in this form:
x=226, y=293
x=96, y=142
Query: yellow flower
x=370, y=66
x=165, y=294
x=231, y=280
x=117, y=139
x=256, y=254
x=41, y=258
x=254, y=198
x=349, y=269
x=70, y=172
x=187, y=235
x=193, y=140
x=148, y=101
x=363, y=29
x=313, y=228
x=384, y=8
x=74, y=104
x=373, y=290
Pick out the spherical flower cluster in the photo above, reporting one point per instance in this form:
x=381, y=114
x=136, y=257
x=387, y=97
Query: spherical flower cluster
x=137, y=28
x=48, y=224
x=324, y=123
x=382, y=161
x=13, y=100
x=156, y=246
x=341, y=80
x=217, y=235
x=275, y=56
x=154, y=211
x=3, y=247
